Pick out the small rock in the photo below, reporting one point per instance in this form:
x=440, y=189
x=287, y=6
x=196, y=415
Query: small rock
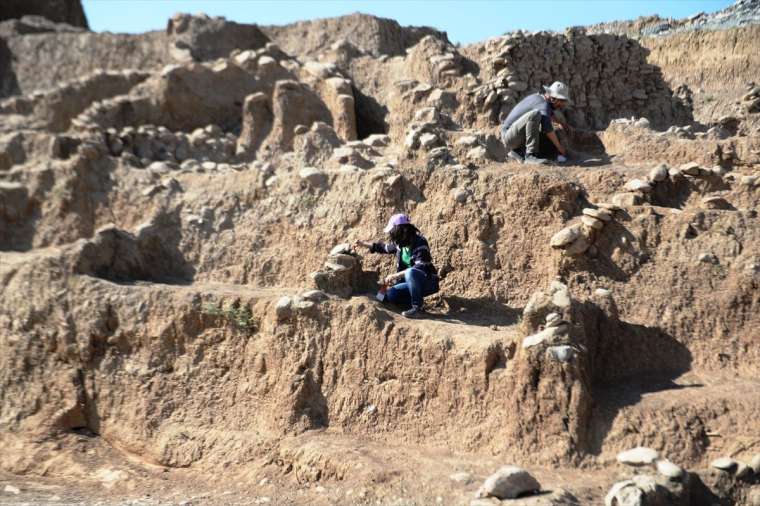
x=638, y=456
x=724, y=464
x=602, y=292
x=562, y=354
x=547, y=336
x=461, y=477
x=670, y=470
x=300, y=129
x=708, y=258
x=477, y=153
x=659, y=173
x=624, y=493
x=715, y=202
x=313, y=176
x=428, y=140
x=12, y=490
x=599, y=214
x=460, y=195
x=284, y=308
x=592, y=222
x=565, y=237
x=314, y=295
x=553, y=319
x=507, y=483
x=637, y=185
x=579, y=246
x=341, y=248
x=755, y=463
x=691, y=168
x=377, y=140
x=208, y=165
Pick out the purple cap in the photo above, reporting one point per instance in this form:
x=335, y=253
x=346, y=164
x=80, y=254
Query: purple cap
x=397, y=219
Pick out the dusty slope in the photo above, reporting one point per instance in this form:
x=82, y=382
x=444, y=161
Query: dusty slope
x=159, y=333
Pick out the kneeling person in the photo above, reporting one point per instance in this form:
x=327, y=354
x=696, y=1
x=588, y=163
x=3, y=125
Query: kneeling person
x=530, y=122
x=415, y=276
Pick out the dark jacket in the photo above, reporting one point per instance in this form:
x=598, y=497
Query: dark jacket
x=421, y=258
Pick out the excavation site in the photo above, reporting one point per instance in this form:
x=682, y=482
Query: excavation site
x=191, y=228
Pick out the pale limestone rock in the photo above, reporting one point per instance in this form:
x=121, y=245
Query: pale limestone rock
x=592, y=222
x=507, y=483
x=638, y=456
x=565, y=237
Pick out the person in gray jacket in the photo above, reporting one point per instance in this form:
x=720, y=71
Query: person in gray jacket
x=530, y=122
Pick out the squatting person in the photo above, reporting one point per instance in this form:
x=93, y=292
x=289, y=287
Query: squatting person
x=416, y=276
x=529, y=125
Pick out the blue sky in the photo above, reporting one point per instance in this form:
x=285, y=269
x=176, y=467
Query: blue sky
x=465, y=21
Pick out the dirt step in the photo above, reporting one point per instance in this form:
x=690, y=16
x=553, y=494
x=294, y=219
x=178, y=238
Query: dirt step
x=691, y=420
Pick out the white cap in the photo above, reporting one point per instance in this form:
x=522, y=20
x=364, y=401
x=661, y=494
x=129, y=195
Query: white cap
x=558, y=90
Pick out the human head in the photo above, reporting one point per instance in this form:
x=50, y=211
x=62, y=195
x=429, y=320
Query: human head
x=400, y=229
x=558, y=94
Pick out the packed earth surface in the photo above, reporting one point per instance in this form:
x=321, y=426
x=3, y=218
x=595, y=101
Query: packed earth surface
x=184, y=319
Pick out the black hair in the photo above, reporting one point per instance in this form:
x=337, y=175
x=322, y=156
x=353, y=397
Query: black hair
x=403, y=235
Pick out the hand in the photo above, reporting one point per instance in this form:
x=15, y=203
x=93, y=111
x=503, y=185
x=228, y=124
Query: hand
x=391, y=279
x=358, y=243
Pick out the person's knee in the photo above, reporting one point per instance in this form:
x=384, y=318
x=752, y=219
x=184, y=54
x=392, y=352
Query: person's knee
x=413, y=274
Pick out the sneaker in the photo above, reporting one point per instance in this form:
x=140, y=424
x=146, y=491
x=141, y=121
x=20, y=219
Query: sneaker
x=514, y=155
x=534, y=160
x=414, y=312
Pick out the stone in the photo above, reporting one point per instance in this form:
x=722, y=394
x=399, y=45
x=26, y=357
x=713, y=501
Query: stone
x=553, y=319
x=546, y=336
x=565, y=237
x=748, y=180
x=461, y=477
x=10, y=489
x=562, y=354
x=314, y=295
x=708, y=258
x=659, y=173
x=637, y=185
x=755, y=463
x=592, y=222
x=624, y=493
x=626, y=199
x=715, y=202
x=460, y=195
x=609, y=207
x=743, y=471
x=638, y=456
x=578, y=246
x=599, y=214
x=508, y=483
x=284, y=308
x=313, y=176
x=208, y=166
x=724, y=464
x=691, y=168
x=428, y=140
x=341, y=248
x=477, y=153
x=377, y=140
x=670, y=470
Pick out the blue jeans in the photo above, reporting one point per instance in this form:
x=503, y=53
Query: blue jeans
x=416, y=285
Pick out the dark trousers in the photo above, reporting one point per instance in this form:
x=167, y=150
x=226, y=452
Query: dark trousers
x=416, y=285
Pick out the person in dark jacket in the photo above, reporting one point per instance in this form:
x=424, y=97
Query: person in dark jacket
x=416, y=276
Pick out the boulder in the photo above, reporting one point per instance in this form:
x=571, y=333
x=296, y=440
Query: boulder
x=639, y=456
x=592, y=223
x=508, y=482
